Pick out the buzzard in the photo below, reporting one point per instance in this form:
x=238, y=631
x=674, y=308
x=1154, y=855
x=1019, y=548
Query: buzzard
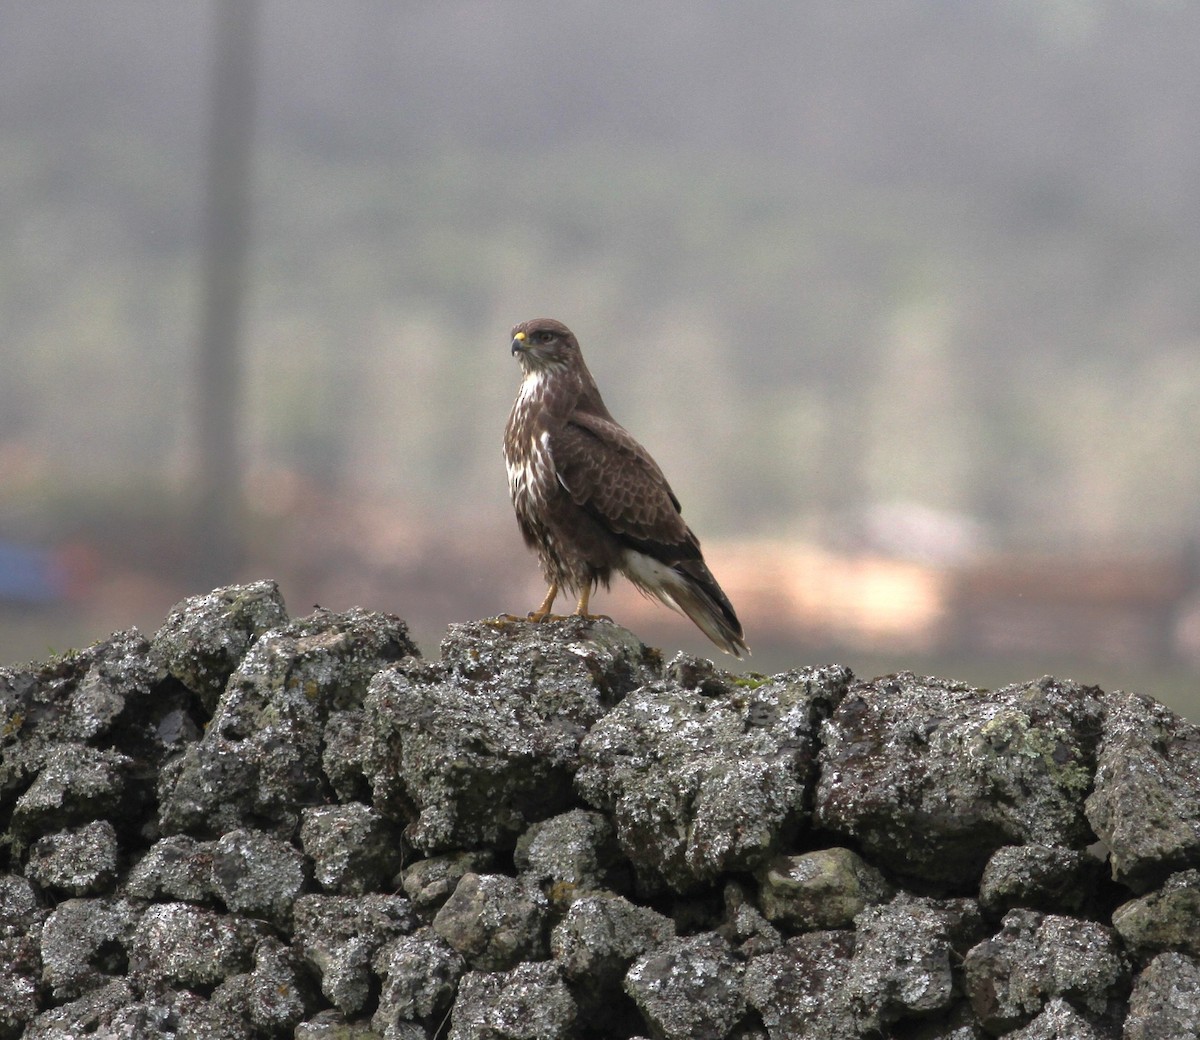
x=591, y=500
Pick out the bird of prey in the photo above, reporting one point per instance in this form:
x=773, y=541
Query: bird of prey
x=591, y=500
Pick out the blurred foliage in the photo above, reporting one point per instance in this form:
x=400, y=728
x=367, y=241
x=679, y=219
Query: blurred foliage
x=818, y=255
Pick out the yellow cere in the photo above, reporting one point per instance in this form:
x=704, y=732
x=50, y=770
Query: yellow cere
x=520, y=336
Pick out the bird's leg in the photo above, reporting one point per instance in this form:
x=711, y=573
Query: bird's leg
x=543, y=611
x=581, y=608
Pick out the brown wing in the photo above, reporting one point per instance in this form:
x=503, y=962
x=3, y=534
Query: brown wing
x=612, y=477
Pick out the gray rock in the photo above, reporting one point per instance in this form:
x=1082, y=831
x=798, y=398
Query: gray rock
x=743, y=927
x=595, y=943
x=571, y=855
x=84, y=943
x=703, y=780
x=1168, y=919
x=905, y=955
x=256, y=874
x=799, y=990
x=21, y=918
x=175, y=868
x=1147, y=789
x=92, y=1014
x=1038, y=877
x=75, y=785
x=1165, y=1003
x=339, y=936
x=259, y=761
x=1060, y=1021
x=188, y=946
x=330, y=1025
x=353, y=848
x=932, y=777
x=246, y=870
x=1035, y=957
x=529, y=1002
x=273, y=997
x=204, y=638
x=420, y=975
x=819, y=890
x=342, y=756
x=474, y=749
x=494, y=921
x=430, y=882
x=688, y=989
x=78, y=862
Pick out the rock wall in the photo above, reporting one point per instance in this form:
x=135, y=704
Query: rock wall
x=256, y=826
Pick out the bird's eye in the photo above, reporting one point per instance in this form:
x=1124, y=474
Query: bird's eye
x=545, y=336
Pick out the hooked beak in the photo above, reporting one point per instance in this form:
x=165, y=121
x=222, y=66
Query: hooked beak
x=519, y=344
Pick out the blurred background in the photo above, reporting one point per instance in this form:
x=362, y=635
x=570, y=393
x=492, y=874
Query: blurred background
x=901, y=295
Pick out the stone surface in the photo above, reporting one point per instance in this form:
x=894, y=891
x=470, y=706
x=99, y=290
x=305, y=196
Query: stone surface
x=1147, y=789
x=800, y=990
x=204, y=638
x=1035, y=957
x=528, y=1002
x=339, y=936
x=473, y=749
x=905, y=955
x=259, y=761
x=494, y=921
x=1038, y=877
x=933, y=777
x=354, y=849
x=1168, y=919
x=600, y=845
x=571, y=855
x=1165, y=1002
x=707, y=778
x=688, y=989
x=819, y=890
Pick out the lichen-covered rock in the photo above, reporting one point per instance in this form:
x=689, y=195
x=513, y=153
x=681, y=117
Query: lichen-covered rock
x=494, y=921
x=706, y=779
x=272, y=998
x=74, y=785
x=689, y=989
x=472, y=750
x=204, y=638
x=78, y=862
x=420, y=975
x=571, y=855
x=189, y=946
x=84, y=944
x=354, y=848
x=1165, y=1002
x=599, y=937
x=259, y=761
x=905, y=954
x=744, y=927
x=339, y=936
x=528, y=1002
x=1035, y=957
x=93, y=1014
x=819, y=890
x=1147, y=789
x=1168, y=919
x=430, y=882
x=246, y=870
x=800, y=991
x=1060, y=1021
x=1038, y=877
x=932, y=777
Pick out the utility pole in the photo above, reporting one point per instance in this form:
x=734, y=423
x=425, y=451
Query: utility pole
x=218, y=507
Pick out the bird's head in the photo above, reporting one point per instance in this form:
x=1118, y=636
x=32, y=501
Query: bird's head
x=543, y=343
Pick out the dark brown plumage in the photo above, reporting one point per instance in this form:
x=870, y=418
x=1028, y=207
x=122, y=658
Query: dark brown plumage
x=591, y=500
